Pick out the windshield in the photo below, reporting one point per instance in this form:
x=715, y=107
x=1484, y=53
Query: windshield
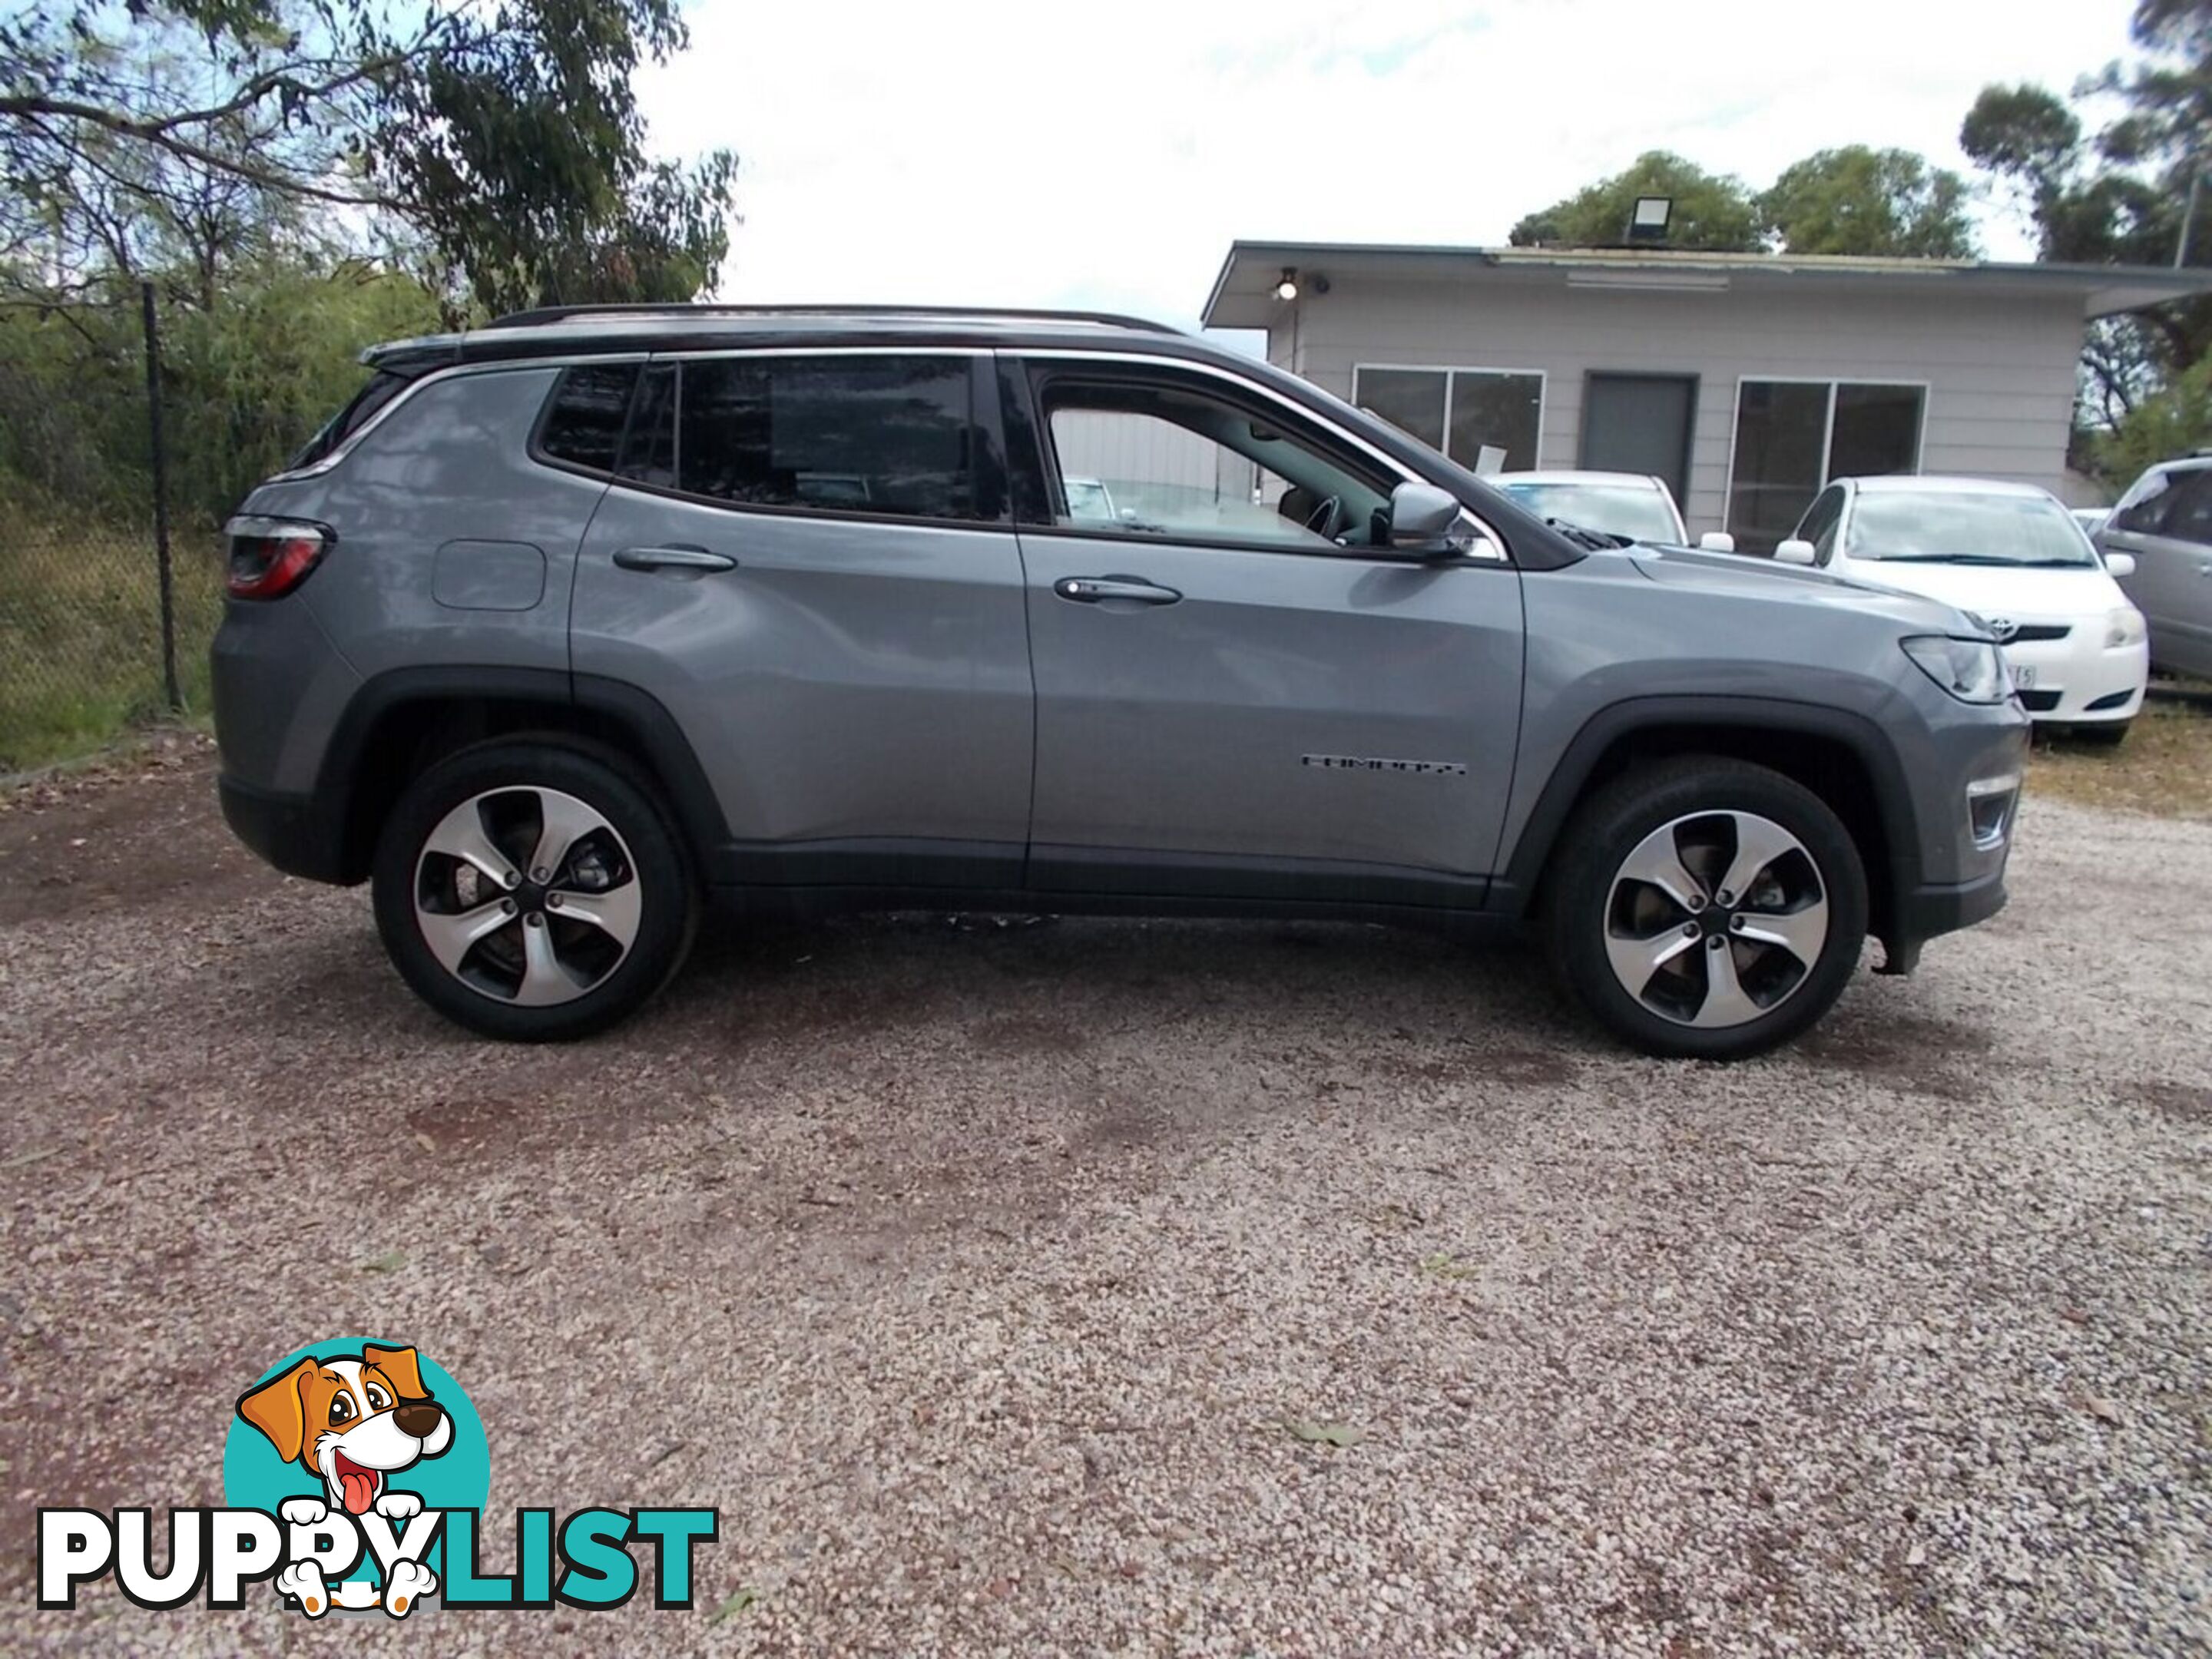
x=1929, y=528
x=1638, y=512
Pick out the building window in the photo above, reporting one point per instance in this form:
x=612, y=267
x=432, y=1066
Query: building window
x=1458, y=410
x=1792, y=436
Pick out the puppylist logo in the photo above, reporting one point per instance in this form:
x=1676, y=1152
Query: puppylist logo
x=355, y=1478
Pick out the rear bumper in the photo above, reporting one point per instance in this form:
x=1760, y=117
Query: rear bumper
x=284, y=828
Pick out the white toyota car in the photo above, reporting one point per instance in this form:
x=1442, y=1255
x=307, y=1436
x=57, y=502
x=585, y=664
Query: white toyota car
x=2015, y=557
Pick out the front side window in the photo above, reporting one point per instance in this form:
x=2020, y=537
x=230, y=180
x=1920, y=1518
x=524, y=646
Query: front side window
x=887, y=435
x=1792, y=436
x=1175, y=461
x=1458, y=412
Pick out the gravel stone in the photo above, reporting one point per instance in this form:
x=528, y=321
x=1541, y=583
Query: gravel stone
x=978, y=1274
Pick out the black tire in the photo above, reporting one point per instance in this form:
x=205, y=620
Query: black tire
x=1607, y=828
x=2110, y=734
x=668, y=891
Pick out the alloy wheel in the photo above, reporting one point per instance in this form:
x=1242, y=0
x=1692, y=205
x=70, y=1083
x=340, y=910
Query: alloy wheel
x=527, y=895
x=1715, y=918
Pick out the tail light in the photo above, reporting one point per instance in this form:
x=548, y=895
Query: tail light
x=270, y=557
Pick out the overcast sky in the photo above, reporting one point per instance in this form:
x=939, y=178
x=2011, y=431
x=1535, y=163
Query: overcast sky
x=1052, y=152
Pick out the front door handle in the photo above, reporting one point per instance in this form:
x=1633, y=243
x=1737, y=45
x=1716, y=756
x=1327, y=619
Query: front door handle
x=1091, y=589
x=673, y=558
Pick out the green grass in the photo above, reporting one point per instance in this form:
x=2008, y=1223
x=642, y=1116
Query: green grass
x=81, y=636
x=2165, y=767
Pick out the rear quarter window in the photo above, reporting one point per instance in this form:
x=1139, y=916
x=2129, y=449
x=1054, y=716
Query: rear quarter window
x=382, y=387
x=584, y=424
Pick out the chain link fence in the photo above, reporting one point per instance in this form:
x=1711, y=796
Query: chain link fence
x=105, y=615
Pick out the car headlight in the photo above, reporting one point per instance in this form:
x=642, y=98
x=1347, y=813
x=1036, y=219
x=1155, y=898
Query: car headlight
x=1969, y=670
x=2123, y=627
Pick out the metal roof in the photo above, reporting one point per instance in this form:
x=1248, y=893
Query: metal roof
x=1242, y=295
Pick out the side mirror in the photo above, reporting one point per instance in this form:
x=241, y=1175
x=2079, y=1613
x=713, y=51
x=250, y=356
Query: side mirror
x=1795, y=551
x=1423, y=519
x=1718, y=541
x=2119, y=564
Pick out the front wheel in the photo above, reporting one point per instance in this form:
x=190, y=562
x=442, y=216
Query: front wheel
x=1706, y=908
x=532, y=891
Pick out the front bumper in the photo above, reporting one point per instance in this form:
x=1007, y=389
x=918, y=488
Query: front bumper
x=284, y=828
x=2079, y=678
x=1922, y=912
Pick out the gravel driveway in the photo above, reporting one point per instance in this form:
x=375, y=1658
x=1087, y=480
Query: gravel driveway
x=984, y=1276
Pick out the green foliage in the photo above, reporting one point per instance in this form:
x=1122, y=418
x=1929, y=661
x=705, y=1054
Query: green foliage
x=501, y=141
x=1711, y=211
x=2175, y=420
x=2123, y=197
x=245, y=383
x=1862, y=201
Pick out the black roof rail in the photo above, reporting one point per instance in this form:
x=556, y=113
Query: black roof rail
x=541, y=315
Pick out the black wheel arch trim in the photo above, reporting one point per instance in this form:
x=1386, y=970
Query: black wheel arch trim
x=641, y=716
x=1516, y=891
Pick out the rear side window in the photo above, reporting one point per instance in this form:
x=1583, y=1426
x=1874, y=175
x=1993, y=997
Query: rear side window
x=584, y=426
x=888, y=436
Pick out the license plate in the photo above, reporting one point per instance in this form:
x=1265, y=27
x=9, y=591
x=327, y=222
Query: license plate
x=2023, y=676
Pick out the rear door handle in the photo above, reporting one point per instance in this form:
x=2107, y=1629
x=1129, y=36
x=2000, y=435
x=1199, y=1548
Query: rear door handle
x=1091, y=589
x=673, y=558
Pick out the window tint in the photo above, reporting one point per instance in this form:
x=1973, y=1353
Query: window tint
x=1458, y=411
x=584, y=427
x=858, y=434
x=1172, y=460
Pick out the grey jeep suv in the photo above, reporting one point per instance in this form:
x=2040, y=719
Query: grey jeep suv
x=569, y=625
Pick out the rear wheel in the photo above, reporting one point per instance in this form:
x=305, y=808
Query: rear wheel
x=1706, y=908
x=532, y=891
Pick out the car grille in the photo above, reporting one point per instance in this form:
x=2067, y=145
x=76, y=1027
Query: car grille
x=2039, y=703
x=2110, y=700
x=2037, y=632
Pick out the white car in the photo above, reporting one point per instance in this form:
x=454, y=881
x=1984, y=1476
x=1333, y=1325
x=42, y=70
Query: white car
x=1636, y=504
x=2015, y=557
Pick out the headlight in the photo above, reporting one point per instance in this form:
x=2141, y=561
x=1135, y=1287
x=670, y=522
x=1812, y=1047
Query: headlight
x=2123, y=627
x=1969, y=670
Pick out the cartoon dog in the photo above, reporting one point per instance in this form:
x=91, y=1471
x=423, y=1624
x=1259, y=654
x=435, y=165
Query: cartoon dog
x=352, y=1420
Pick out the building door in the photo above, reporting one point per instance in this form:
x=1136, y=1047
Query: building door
x=1641, y=423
